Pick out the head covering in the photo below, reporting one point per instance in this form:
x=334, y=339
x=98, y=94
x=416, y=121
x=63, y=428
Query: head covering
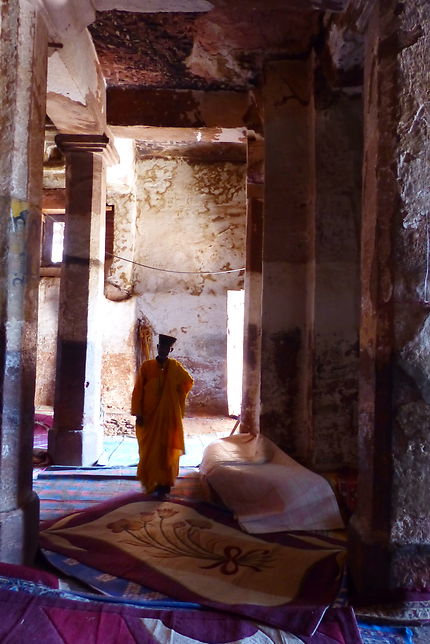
x=166, y=340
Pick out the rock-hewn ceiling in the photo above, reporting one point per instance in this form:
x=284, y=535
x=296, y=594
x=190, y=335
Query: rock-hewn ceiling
x=186, y=63
x=223, y=49
x=220, y=49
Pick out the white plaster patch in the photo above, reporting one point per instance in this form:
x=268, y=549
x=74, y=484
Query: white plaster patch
x=60, y=81
x=14, y=333
x=120, y=177
x=230, y=135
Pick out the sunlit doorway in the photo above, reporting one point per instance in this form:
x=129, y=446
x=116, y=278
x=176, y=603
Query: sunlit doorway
x=235, y=315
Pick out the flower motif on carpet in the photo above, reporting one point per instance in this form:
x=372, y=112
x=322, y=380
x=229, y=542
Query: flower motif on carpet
x=186, y=538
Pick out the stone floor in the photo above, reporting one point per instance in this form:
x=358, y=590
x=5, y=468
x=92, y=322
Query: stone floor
x=120, y=446
x=199, y=431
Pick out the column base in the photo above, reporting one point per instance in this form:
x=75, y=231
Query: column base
x=369, y=562
x=75, y=447
x=19, y=530
x=245, y=428
x=384, y=571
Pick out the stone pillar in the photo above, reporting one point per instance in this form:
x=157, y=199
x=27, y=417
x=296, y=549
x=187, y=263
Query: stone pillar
x=250, y=408
x=77, y=435
x=288, y=256
x=337, y=286
x=390, y=532
x=23, y=56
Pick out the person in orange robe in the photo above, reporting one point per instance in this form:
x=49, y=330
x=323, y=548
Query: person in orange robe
x=158, y=402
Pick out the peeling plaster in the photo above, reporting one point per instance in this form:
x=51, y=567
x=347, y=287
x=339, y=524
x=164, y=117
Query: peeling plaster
x=191, y=217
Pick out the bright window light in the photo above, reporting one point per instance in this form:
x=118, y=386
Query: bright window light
x=57, y=241
x=235, y=314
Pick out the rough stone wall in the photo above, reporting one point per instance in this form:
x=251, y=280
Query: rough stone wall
x=191, y=217
x=390, y=532
x=411, y=445
x=338, y=208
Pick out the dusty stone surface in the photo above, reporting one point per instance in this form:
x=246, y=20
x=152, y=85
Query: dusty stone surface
x=119, y=424
x=335, y=402
x=337, y=247
x=411, y=494
x=411, y=566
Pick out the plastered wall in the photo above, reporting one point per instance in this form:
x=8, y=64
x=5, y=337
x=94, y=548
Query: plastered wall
x=178, y=216
x=191, y=218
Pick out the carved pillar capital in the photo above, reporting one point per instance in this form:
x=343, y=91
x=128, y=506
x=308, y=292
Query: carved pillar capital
x=92, y=143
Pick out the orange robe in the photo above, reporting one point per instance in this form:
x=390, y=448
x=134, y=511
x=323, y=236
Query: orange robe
x=159, y=398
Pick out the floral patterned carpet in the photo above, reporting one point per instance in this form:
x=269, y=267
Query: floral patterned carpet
x=196, y=553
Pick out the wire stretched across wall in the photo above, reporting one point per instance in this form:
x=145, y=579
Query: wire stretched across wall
x=168, y=270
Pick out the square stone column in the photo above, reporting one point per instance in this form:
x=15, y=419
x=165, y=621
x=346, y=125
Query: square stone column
x=77, y=435
x=288, y=256
x=251, y=380
x=23, y=63
x=390, y=532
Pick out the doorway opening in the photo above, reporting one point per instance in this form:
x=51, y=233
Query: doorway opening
x=235, y=318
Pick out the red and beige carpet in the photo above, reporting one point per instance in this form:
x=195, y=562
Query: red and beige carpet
x=194, y=552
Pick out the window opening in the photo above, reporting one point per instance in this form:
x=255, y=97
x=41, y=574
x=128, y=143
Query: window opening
x=57, y=242
x=53, y=238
